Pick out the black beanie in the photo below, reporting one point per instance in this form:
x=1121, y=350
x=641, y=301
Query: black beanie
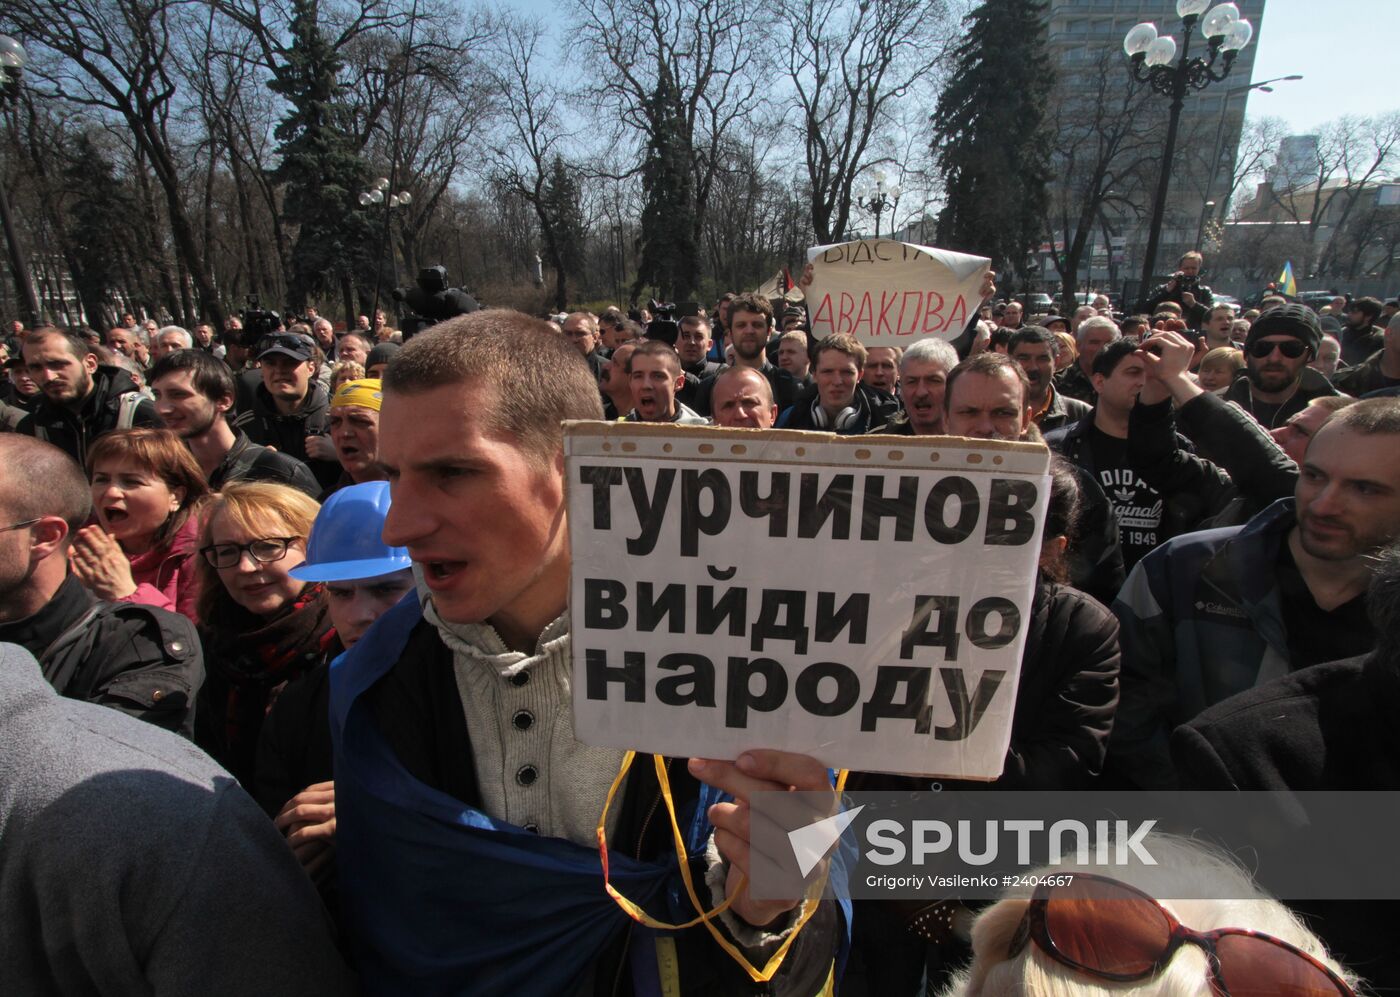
x=1298, y=321
x=382, y=353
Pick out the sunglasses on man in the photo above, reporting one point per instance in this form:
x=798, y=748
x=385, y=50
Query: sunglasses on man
x=1291, y=348
x=1108, y=930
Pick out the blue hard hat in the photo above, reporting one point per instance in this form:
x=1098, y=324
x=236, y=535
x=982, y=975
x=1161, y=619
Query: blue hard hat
x=345, y=540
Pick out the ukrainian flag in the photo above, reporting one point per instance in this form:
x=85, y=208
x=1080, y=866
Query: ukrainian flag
x=1286, y=284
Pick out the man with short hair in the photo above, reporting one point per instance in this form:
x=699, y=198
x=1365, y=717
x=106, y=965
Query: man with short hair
x=289, y=406
x=1077, y=380
x=1295, y=434
x=793, y=355
x=881, y=370
x=1034, y=347
x=1098, y=442
x=1211, y=614
x=923, y=375
x=655, y=373
x=353, y=347
x=749, y=327
x=457, y=703
x=1218, y=327
x=137, y=659
x=693, y=347
x=82, y=399
x=616, y=384
x=1329, y=356
x=193, y=395
x=168, y=340
x=1010, y=317
x=985, y=398
x=123, y=340
x=324, y=334
x=1134, y=327
x=204, y=339
x=1378, y=371
x=1081, y=315
x=1277, y=350
x=743, y=398
x=1361, y=337
x=581, y=328
x=839, y=402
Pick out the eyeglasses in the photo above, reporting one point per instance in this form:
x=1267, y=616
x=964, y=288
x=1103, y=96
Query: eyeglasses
x=1291, y=348
x=19, y=526
x=1110, y=931
x=264, y=551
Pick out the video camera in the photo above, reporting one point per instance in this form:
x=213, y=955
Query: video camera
x=663, y=325
x=432, y=301
x=257, y=322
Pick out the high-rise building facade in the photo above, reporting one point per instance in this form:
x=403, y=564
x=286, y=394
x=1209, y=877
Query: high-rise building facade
x=1086, y=49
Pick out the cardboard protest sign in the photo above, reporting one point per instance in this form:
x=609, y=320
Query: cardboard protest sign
x=860, y=599
x=891, y=293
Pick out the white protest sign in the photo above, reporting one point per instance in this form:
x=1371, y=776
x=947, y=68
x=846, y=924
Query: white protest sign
x=860, y=599
x=891, y=293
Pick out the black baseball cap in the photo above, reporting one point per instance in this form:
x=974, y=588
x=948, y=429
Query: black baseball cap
x=289, y=344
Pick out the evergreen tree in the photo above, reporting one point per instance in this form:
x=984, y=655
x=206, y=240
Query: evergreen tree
x=561, y=225
x=98, y=226
x=320, y=166
x=989, y=135
x=670, y=255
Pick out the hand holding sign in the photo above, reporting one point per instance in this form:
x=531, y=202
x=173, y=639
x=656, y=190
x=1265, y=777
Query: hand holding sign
x=753, y=772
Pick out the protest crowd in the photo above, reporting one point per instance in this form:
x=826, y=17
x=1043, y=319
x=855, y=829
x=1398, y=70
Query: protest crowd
x=195, y=524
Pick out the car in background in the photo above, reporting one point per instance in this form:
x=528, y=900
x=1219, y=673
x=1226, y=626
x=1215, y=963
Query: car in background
x=1315, y=299
x=1227, y=299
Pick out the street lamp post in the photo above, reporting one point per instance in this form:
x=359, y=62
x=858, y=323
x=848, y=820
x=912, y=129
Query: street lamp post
x=12, y=60
x=1150, y=57
x=878, y=197
x=368, y=199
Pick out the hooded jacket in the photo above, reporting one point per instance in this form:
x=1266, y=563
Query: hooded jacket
x=265, y=425
x=73, y=429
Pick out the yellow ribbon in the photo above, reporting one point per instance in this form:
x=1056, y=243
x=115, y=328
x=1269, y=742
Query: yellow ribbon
x=706, y=917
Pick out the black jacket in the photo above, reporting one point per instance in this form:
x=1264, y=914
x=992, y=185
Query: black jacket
x=264, y=425
x=73, y=430
x=1365, y=377
x=246, y=461
x=418, y=709
x=144, y=662
x=1314, y=384
x=691, y=394
x=1245, y=473
x=1072, y=382
x=1330, y=727
x=871, y=407
x=1358, y=344
x=1194, y=315
x=1063, y=411
x=786, y=388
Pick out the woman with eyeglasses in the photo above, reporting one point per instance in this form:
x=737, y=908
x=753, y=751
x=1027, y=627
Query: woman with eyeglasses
x=146, y=493
x=261, y=627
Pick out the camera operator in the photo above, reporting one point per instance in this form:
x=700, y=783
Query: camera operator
x=1186, y=289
